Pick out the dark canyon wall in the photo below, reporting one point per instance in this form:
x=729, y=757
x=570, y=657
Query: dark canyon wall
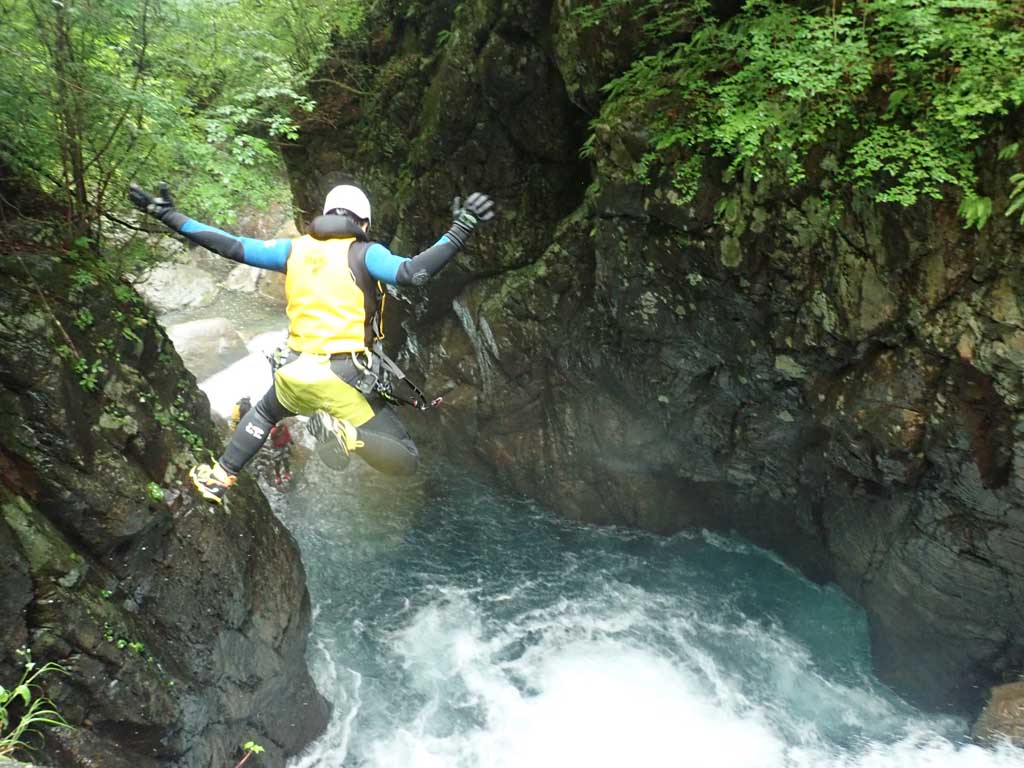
x=838, y=380
x=182, y=629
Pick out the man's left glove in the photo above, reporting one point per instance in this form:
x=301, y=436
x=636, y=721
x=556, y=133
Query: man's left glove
x=477, y=209
x=160, y=207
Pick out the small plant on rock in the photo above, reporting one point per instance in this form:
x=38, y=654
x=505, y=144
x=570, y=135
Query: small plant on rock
x=251, y=748
x=155, y=492
x=35, y=710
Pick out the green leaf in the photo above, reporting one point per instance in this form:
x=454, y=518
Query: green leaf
x=1016, y=205
x=975, y=210
x=1009, y=151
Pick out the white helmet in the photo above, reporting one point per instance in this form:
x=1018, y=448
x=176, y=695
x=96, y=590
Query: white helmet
x=350, y=198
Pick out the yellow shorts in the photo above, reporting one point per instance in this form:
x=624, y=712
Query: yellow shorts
x=308, y=384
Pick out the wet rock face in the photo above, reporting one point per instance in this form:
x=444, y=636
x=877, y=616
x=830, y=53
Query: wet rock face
x=182, y=628
x=837, y=380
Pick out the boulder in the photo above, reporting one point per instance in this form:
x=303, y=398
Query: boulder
x=173, y=286
x=243, y=278
x=271, y=286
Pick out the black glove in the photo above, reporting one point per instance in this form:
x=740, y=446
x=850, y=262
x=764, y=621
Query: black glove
x=477, y=208
x=161, y=207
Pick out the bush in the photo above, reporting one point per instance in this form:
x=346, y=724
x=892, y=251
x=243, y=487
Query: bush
x=899, y=92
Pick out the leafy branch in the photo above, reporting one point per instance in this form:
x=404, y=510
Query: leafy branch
x=899, y=95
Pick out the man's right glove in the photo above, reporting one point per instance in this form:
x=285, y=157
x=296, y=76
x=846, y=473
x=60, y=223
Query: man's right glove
x=466, y=216
x=160, y=207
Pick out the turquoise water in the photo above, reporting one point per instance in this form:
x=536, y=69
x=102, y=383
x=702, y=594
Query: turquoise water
x=457, y=626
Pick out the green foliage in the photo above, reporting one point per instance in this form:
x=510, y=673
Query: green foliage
x=155, y=492
x=88, y=373
x=1009, y=151
x=1016, y=196
x=84, y=318
x=177, y=417
x=23, y=710
x=200, y=93
x=81, y=281
x=131, y=335
x=124, y=643
x=975, y=210
x=125, y=294
x=899, y=92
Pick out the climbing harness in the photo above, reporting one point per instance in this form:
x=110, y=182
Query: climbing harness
x=377, y=373
x=380, y=374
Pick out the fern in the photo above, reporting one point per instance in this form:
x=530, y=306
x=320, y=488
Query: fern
x=1016, y=196
x=975, y=210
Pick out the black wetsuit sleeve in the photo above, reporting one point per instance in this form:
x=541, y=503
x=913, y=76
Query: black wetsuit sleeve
x=266, y=254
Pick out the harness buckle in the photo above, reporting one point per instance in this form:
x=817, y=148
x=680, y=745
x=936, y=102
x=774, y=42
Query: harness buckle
x=369, y=380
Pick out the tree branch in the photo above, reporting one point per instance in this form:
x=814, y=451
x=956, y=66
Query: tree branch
x=344, y=86
x=129, y=225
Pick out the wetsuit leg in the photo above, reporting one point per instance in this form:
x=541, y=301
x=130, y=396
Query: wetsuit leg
x=387, y=446
x=252, y=432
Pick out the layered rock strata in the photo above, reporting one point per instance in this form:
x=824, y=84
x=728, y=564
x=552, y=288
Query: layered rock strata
x=181, y=628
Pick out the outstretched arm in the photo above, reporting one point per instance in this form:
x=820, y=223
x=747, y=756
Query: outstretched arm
x=267, y=254
x=389, y=268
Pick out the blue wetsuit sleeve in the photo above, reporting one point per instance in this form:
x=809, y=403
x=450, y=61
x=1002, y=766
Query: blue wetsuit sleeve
x=385, y=266
x=382, y=264
x=266, y=254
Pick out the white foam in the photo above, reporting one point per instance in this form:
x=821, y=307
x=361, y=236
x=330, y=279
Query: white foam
x=594, y=695
x=249, y=377
x=592, y=703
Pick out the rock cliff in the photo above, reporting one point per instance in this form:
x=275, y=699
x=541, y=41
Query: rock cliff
x=182, y=628
x=837, y=379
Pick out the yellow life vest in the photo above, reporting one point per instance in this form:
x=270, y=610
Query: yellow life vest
x=326, y=310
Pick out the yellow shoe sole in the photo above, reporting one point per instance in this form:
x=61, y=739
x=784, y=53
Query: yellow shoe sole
x=203, y=491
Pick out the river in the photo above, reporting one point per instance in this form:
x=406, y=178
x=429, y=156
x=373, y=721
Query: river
x=457, y=626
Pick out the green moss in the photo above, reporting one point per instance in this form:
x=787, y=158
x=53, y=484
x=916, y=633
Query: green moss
x=45, y=549
x=516, y=284
x=731, y=251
